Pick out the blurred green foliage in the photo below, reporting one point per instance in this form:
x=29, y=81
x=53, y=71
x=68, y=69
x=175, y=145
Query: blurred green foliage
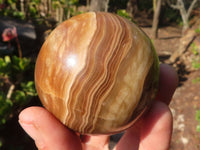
x=37, y=10
x=196, y=59
x=197, y=30
x=67, y=6
x=16, y=86
x=9, y=8
x=33, y=8
x=123, y=13
x=197, y=117
x=196, y=80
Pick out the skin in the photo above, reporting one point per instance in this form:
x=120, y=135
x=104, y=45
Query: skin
x=152, y=132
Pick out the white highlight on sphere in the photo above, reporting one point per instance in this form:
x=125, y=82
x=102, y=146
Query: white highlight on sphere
x=71, y=61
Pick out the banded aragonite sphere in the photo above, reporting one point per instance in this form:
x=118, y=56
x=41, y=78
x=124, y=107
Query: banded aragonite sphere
x=97, y=73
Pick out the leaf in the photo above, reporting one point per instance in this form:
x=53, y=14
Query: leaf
x=197, y=30
x=1, y=143
x=1, y=63
x=5, y=66
x=198, y=128
x=7, y=59
x=197, y=116
x=56, y=4
x=9, y=102
x=3, y=121
x=2, y=97
x=123, y=13
x=196, y=64
x=19, y=97
x=20, y=64
x=5, y=108
x=29, y=88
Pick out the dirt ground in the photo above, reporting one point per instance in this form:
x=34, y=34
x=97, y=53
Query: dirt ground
x=186, y=99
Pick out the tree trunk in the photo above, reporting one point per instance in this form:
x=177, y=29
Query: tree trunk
x=99, y=5
x=50, y=7
x=88, y=4
x=132, y=7
x=156, y=19
x=22, y=6
x=185, y=14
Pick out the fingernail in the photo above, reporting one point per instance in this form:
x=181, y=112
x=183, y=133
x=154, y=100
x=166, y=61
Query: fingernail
x=33, y=132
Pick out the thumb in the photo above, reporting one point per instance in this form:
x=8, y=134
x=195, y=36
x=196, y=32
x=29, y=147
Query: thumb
x=47, y=131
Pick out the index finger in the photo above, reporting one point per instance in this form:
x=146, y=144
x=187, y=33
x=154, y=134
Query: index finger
x=168, y=82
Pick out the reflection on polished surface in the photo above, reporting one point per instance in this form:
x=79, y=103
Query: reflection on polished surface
x=71, y=61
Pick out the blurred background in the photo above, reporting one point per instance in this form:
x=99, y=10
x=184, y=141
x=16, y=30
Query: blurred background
x=173, y=26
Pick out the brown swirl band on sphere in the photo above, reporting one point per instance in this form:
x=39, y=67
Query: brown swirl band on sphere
x=102, y=63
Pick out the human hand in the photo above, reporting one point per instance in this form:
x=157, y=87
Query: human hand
x=151, y=132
